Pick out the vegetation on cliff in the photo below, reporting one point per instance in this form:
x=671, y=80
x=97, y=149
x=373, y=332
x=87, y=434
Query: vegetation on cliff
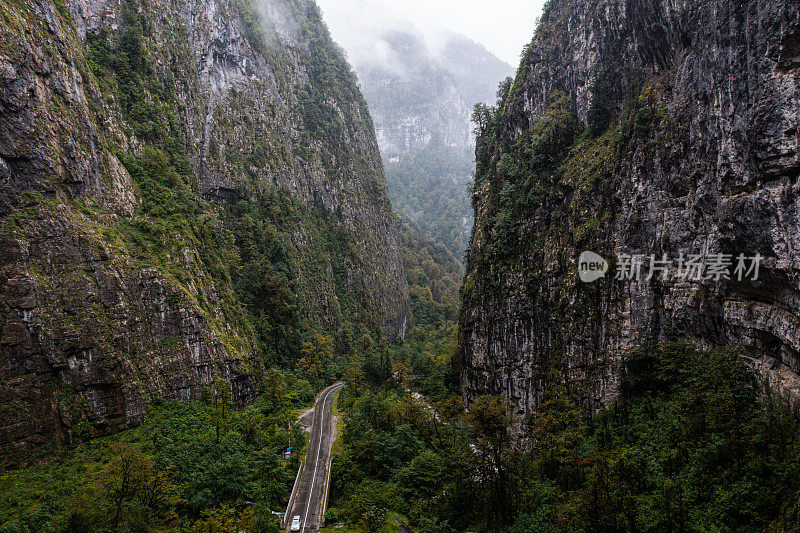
x=244, y=231
x=168, y=224
x=207, y=466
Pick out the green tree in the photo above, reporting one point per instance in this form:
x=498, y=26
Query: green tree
x=316, y=357
x=274, y=384
x=136, y=492
x=375, y=519
x=491, y=421
x=222, y=404
x=344, y=341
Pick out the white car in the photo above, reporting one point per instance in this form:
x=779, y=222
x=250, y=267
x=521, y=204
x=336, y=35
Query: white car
x=296, y=523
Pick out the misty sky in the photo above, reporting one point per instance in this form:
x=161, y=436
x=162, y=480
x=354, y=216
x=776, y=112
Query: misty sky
x=502, y=26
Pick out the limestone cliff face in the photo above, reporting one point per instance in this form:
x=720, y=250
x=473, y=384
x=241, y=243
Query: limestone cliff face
x=414, y=98
x=95, y=325
x=268, y=99
x=691, y=146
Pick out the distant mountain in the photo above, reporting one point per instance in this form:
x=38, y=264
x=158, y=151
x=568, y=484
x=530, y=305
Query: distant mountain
x=414, y=100
x=476, y=71
x=421, y=94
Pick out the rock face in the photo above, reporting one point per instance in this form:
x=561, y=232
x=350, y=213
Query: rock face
x=414, y=98
x=691, y=147
x=92, y=328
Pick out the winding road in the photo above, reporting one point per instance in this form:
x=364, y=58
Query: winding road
x=312, y=485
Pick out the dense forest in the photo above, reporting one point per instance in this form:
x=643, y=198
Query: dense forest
x=694, y=443
x=431, y=188
x=201, y=466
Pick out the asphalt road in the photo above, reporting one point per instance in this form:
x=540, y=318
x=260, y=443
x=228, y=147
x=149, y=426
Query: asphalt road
x=311, y=486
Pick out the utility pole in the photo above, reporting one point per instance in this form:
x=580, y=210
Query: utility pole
x=289, y=448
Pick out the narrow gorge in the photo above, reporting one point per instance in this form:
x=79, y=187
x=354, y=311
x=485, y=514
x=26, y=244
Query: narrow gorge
x=259, y=275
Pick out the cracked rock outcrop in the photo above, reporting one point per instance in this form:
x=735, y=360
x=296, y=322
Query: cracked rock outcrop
x=692, y=147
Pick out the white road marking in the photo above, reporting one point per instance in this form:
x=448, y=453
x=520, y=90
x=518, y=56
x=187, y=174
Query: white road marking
x=316, y=462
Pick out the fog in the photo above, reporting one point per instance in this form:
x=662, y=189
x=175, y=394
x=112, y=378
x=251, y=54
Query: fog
x=358, y=26
x=502, y=26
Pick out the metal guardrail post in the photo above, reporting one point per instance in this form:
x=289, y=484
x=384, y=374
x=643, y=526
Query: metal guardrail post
x=327, y=490
x=292, y=497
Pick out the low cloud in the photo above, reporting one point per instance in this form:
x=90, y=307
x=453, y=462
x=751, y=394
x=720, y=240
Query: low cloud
x=503, y=26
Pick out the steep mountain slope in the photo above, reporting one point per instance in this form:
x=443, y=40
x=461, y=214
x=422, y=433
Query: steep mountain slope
x=188, y=188
x=421, y=92
x=414, y=96
x=422, y=99
x=653, y=127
